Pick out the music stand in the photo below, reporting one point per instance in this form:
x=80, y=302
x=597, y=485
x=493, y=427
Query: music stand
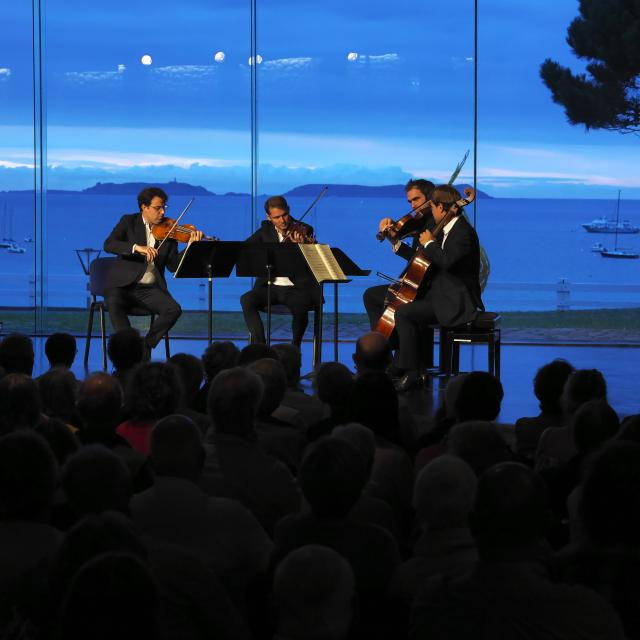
x=349, y=268
x=209, y=259
x=273, y=260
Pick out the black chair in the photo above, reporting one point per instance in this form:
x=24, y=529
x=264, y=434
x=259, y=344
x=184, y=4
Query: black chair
x=97, y=274
x=484, y=329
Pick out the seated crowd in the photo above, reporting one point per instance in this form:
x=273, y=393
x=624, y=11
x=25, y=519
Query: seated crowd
x=214, y=497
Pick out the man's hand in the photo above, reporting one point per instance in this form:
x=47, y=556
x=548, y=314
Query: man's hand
x=425, y=236
x=195, y=236
x=149, y=253
x=385, y=223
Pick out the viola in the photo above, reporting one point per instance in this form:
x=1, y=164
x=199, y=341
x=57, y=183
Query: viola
x=406, y=225
x=167, y=228
x=305, y=231
x=406, y=289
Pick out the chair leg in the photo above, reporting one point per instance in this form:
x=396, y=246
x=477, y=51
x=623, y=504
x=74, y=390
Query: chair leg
x=491, y=354
x=103, y=331
x=87, y=344
x=497, y=354
x=166, y=346
x=455, y=358
x=444, y=356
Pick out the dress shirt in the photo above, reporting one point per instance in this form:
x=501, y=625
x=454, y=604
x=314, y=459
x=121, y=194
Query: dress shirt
x=282, y=281
x=446, y=230
x=149, y=275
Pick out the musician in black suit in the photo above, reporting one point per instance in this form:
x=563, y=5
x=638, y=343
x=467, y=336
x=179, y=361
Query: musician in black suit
x=136, y=280
x=450, y=292
x=300, y=294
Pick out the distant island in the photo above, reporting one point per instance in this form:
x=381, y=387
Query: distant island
x=175, y=188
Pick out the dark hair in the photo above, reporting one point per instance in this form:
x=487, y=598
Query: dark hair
x=445, y=195
x=16, y=354
x=374, y=403
x=58, y=388
x=549, y=383
x=373, y=352
x=176, y=448
x=61, y=441
x=610, y=502
x=28, y=474
x=510, y=509
x=479, y=397
x=190, y=371
x=479, y=444
x=153, y=391
x=100, y=401
x=581, y=386
x=253, y=352
x=425, y=187
x=95, y=480
x=147, y=195
x=333, y=383
x=233, y=401
x=274, y=381
x=594, y=422
x=219, y=356
x=332, y=476
x=276, y=202
x=60, y=349
x=19, y=403
x=112, y=596
x=291, y=359
x=125, y=348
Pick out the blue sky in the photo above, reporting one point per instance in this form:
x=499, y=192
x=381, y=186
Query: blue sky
x=400, y=105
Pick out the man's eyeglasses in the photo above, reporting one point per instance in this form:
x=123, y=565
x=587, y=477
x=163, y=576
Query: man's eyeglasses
x=162, y=207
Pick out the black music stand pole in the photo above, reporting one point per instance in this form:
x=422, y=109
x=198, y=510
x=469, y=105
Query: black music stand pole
x=208, y=259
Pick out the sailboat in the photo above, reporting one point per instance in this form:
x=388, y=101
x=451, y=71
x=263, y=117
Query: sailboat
x=617, y=252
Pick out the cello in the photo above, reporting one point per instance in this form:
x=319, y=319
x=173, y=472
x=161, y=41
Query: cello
x=405, y=290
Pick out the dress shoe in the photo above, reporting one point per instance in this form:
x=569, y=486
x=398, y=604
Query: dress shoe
x=409, y=381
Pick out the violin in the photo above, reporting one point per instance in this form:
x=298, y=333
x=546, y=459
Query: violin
x=406, y=225
x=167, y=228
x=406, y=289
x=305, y=231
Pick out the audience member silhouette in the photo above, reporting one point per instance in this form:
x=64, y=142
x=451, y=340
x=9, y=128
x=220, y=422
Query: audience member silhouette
x=606, y=558
x=557, y=445
x=548, y=385
x=509, y=594
x=224, y=534
x=20, y=406
x=310, y=408
x=313, y=595
x=236, y=465
x=479, y=397
x=217, y=357
x=16, y=354
x=125, y=350
x=191, y=373
x=61, y=440
x=58, y=388
x=442, y=498
x=332, y=383
x=153, y=392
x=373, y=353
x=479, y=444
x=61, y=350
x=256, y=351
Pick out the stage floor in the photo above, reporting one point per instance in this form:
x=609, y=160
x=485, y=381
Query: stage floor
x=619, y=365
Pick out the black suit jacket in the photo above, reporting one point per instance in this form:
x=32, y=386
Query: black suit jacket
x=267, y=233
x=130, y=266
x=453, y=279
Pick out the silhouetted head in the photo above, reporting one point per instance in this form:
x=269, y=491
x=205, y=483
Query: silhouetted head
x=153, y=391
x=219, y=356
x=479, y=397
x=374, y=403
x=291, y=358
x=16, y=354
x=333, y=383
x=361, y=438
x=60, y=349
x=176, y=448
x=125, y=349
x=234, y=397
x=253, y=352
x=479, y=444
x=58, y=388
x=58, y=436
x=593, y=423
x=583, y=385
x=373, y=353
x=549, y=384
x=20, y=406
x=274, y=382
x=191, y=373
x=99, y=404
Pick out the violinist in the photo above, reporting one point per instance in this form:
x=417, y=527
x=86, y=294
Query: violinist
x=450, y=293
x=299, y=295
x=136, y=280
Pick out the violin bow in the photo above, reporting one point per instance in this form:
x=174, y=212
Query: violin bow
x=458, y=168
x=314, y=203
x=175, y=224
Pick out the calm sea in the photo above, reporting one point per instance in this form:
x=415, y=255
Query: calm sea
x=532, y=245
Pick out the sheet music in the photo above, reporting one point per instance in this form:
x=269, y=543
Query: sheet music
x=322, y=262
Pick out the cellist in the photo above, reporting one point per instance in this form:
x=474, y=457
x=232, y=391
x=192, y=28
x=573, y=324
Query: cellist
x=450, y=292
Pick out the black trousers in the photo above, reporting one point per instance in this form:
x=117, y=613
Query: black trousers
x=413, y=337
x=297, y=299
x=136, y=299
